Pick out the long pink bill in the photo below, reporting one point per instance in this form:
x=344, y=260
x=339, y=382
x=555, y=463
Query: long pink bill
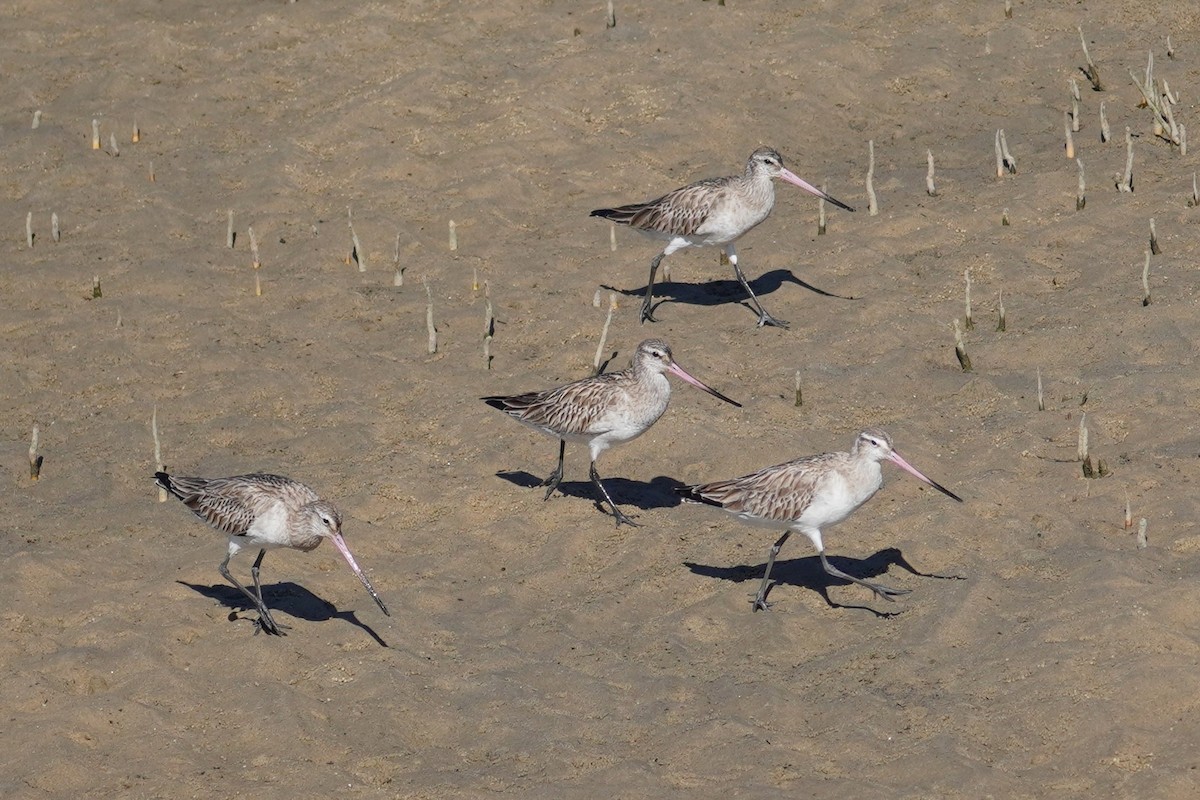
x=896, y=459
x=340, y=544
x=796, y=180
x=679, y=372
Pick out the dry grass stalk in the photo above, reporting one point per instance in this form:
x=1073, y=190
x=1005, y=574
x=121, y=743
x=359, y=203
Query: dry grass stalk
x=960, y=349
x=929, y=187
x=612, y=307
x=29, y=229
x=158, y=460
x=1008, y=9
x=1092, y=72
x=37, y=119
x=1125, y=184
x=432, y=330
x=489, y=327
x=1142, y=541
x=152, y=172
x=398, y=277
x=1154, y=248
x=1146, y=280
x=55, y=231
x=1081, y=196
x=113, y=150
x=1041, y=397
x=799, y=394
x=95, y=134
x=96, y=293
x=254, y=259
x=356, y=251
x=968, y=323
x=35, y=460
x=1010, y=163
x=1070, y=146
x=1074, y=106
x=1128, y=513
x=1195, y=199
x=1004, y=218
x=1105, y=131
x=999, y=157
x=1170, y=49
x=230, y=236
x=1002, y=324
x=610, y=16
x=453, y=236
x=872, y=206
x=612, y=237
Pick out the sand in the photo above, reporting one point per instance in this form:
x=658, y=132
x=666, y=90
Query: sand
x=534, y=649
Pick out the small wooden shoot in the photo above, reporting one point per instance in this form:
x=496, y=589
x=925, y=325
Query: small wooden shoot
x=1001, y=324
x=158, y=459
x=152, y=172
x=1170, y=49
x=453, y=236
x=960, y=349
x=872, y=205
x=1082, y=453
x=1041, y=397
x=610, y=16
x=612, y=307
x=1154, y=248
x=230, y=235
x=1070, y=145
x=95, y=134
x=430, y=327
x=596, y=299
x=1146, y=280
x=1105, y=131
x=968, y=323
x=1010, y=163
x=96, y=293
x=489, y=326
x=799, y=394
x=113, y=150
x=1091, y=71
x=822, y=224
x=254, y=259
x=1128, y=513
x=1142, y=541
x=1081, y=195
x=55, y=230
x=1008, y=9
x=1074, y=106
x=999, y=157
x=930, y=189
x=1004, y=218
x=356, y=251
x=1195, y=198
x=29, y=229
x=612, y=237
x=37, y=119
x=1125, y=184
x=398, y=276
x=35, y=459
x=137, y=133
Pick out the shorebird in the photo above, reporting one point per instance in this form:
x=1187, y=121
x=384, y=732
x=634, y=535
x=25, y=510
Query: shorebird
x=603, y=410
x=267, y=512
x=808, y=494
x=715, y=211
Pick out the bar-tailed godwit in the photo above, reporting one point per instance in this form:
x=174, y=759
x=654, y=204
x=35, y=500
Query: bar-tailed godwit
x=716, y=211
x=267, y=512
x=808, y=494
x=603, y=410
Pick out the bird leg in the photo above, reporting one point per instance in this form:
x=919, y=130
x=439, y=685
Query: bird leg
x=620, y=515
x=763, y=317
x=265, y=621
x=647, y=316
x=556, y=476
x=882, y=591
x=760, y=599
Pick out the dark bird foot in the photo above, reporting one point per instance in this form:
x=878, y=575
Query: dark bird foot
x=623, y=519
x=266, y=624
x=886, y=592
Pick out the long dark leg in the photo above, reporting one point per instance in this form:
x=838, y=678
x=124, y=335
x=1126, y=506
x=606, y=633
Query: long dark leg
x=882, y=591
x=760, y=599
x=556, y=476
x=646, y=315
x=621, y=518
x=265, y=621
x=763, y=317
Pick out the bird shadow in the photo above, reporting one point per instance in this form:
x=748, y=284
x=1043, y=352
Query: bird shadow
x=807, y=572
x=657, y=493
x=722, y=290
x=288, y=597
